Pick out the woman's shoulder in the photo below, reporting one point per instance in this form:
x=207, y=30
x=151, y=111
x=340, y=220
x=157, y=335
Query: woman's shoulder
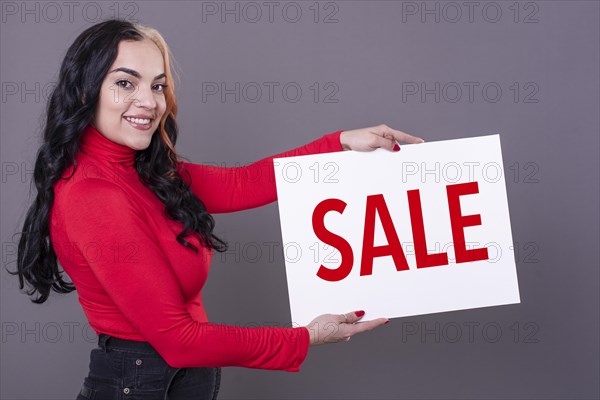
x=89, y=190
x=87, y=198
x=89, y=177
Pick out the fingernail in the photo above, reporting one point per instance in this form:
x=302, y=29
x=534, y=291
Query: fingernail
x=396, y=147
x=422, y=141
x=386, y=322
x=359, y=313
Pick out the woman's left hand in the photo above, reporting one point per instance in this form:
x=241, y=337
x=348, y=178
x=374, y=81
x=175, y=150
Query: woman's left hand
x=368, y=139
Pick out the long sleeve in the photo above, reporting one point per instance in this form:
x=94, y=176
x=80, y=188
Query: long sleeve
x=228, y=189
x=100, y=219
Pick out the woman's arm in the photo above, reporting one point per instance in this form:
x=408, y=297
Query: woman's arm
x=144, y=288
x=239, y=188
x=228, y=189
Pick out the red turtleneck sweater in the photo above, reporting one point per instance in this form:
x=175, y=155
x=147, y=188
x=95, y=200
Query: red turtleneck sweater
x=136, y=282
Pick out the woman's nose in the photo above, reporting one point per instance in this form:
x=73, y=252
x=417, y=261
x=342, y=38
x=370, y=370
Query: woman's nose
x=145, y=98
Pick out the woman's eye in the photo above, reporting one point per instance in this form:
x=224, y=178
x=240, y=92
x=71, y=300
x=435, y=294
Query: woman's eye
x=125, y=84
x=160, y=87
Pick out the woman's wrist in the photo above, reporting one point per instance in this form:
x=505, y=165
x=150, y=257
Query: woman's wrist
x=310, y=336
x=344, y=140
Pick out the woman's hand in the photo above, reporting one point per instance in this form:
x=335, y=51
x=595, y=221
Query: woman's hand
x=333, y=328
x=368, y=139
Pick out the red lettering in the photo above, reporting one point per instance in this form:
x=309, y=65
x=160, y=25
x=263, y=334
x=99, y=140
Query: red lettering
x=376, y=204
x=418, y=230
x=459, y=222
x=318, y=222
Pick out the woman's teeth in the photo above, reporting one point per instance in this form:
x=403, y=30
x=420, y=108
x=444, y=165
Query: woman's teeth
x=141, y=121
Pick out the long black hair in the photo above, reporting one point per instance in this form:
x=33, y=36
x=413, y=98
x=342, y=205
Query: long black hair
x=70, y=108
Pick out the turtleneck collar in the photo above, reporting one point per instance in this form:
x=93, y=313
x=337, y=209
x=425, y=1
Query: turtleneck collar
x=98, y=146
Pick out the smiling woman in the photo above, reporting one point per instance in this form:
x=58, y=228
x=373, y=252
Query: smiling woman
x=135, y=82
x=131, y=225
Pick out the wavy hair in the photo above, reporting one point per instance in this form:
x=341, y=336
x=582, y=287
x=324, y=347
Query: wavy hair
x=70, y=108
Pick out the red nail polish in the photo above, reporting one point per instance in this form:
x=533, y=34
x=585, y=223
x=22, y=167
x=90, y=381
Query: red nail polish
x=396, y=147
x=386, y=322
x=359, y=313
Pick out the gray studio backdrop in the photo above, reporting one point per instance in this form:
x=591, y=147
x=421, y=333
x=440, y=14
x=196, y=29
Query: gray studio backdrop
x=258, y=78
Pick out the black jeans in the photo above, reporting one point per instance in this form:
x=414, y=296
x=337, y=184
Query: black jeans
x=129, y=370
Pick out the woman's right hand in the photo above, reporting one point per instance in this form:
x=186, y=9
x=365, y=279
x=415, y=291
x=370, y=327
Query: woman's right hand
x=333, y=328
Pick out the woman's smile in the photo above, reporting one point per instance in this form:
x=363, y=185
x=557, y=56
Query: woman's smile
x=142, y=123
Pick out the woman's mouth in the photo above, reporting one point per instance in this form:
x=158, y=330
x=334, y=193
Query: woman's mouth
x=140, y=123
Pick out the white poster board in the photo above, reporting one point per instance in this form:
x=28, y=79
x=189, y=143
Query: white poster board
x=361, y=230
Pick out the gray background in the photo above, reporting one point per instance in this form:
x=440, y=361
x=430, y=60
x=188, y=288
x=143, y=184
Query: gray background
x=546, y=347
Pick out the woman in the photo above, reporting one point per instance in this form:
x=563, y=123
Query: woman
x=131, y=225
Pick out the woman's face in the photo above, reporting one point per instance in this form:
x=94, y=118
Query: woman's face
x=131, y=101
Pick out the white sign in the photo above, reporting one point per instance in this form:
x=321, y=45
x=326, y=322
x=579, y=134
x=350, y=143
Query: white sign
x=419, y=231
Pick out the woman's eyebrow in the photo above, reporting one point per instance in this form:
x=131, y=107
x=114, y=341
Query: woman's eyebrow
x=134, y=72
